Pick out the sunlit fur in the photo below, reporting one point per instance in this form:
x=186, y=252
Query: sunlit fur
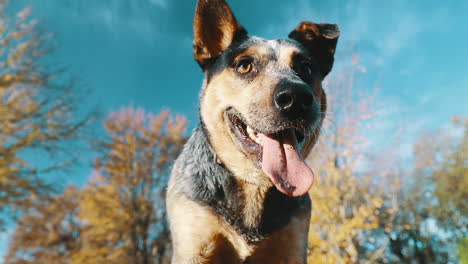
x=253, y=100
x=222, y=208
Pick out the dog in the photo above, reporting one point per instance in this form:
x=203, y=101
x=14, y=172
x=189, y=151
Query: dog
x=238, y=192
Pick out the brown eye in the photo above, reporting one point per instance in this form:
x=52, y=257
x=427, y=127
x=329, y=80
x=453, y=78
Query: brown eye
x=244, y=66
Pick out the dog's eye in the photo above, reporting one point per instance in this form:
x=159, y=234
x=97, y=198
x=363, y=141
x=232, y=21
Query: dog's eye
x=244, y=66
x=305, y=68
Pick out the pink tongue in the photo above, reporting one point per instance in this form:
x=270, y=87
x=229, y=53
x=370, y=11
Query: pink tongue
x=284, y=165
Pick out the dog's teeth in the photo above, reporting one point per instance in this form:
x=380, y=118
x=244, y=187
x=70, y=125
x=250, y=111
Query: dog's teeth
x=253, y=135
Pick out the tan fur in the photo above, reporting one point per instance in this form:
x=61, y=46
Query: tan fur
x=214, y=102
x=196, y=229
x=253, y=194
x=200, y=234
x=285, y=54
x=203, y=237
x=226, y=89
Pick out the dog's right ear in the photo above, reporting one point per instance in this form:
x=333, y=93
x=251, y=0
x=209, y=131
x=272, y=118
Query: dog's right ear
x=215, y=29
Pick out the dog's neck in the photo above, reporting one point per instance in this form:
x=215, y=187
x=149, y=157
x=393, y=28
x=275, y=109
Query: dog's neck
x=252, y=211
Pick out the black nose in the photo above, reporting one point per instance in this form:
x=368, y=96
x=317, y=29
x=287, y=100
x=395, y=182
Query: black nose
x=293, y=99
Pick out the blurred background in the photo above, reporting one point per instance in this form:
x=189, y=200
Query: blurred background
x=98, y=97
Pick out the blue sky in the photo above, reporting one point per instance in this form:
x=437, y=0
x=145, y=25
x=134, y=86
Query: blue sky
x=139, y=53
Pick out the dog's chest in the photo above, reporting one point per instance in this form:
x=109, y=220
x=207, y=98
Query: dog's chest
x=287, y=244
x=251, y=211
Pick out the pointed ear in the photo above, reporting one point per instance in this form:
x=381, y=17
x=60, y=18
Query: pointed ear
x=215, y=29
x=320, y=40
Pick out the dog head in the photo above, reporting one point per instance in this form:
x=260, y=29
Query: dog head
x=262, y=102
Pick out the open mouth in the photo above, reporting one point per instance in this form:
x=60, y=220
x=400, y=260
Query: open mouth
x=278, y=153
x=251, y=139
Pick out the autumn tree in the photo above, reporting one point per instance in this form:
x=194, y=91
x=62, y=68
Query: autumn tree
x=369, y=207
x=432, y=215
x=462, y=248
x=451, y=190
x=49, y=233
x=38, y=113
x=123, y=207
x=451, y=183
x=408, y=233
x=346, y=203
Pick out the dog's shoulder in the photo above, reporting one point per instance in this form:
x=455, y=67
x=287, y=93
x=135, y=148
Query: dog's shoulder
x=196, y=174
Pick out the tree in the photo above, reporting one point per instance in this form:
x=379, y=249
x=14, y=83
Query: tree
x=408, y=233
x=123, y=207
x=451, y=184
x=119, y=217
x=38, y=114
x=345, y=201
x=462, y=248
x=49, y=233
x=431, y=216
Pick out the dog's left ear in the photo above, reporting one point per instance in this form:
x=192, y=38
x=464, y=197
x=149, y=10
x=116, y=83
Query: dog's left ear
x=320, y=40
x=215, y=28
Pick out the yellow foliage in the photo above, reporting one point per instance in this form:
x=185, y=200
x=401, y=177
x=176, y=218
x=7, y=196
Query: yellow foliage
x=123, y=203
x=345, y=203
x=46, y=230
x=36, y=112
